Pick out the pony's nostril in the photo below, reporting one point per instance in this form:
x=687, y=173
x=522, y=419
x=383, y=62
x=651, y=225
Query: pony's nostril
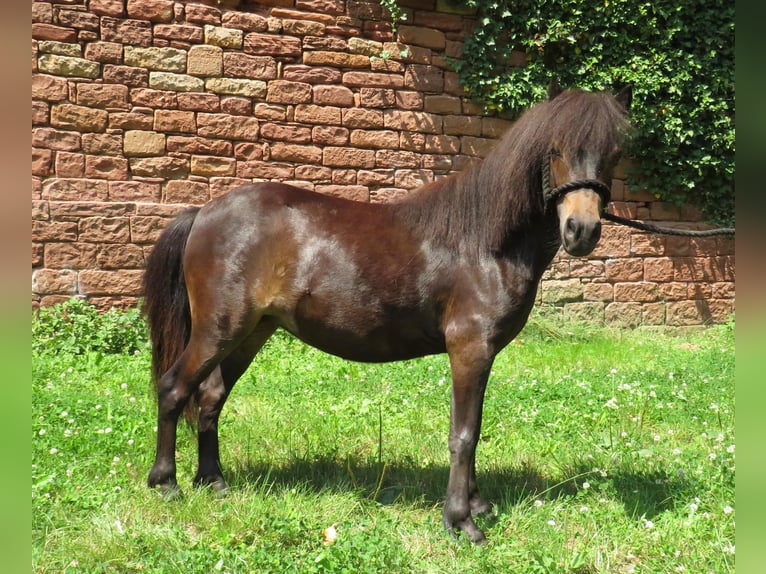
x=571, y=226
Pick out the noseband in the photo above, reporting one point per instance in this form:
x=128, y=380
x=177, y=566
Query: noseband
x=551, y=196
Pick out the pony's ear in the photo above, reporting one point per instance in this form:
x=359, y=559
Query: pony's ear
x=553, y=89
x=625, y=96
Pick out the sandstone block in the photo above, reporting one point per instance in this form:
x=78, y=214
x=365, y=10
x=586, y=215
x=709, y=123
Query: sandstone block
x=139, y=143
x=329, y=135
x=348, y=157
x=43, y=31
x=209, y=166
x=60, y=48
x=387, y=158
x=113, y=8
x=442, y=144
x=201, y=14
x=179, y=33
x=49, y=88
x=462, y=125
x=191, y=192
x=104, y=229
x=333, y=96
x=561, y=290
x=199, y=145
x=658, y=269
x=598, y=292
x=272, y=45
x=236, y=86
x=78, y=118
x=236, y=64
x=152, y=10
x=54, y=281
x=641, y=291
x=377, y=97
x=313, y=114
x=139, y=191
x=77, y=19
x=302, y=154
x=104, y=52
x=265, y=170
x=111, y=96
x=289, y=133
x=127, y=75
x=123, y=282
x=382, y=139
x=442, y=104
x=116, y=256
x=424, y=78
x=303, y=27
x=365, y=47
x=70, y=255
x=128, y=32
x=315, y=173
x=311, y=74
x=224, y=126
x=285, y=92
x=623, y=314
x=42, y=161
x=68, y=66
x=413, y=178
x=412, y=121
x=624, y=270
x=585, y=312
x=223, y=37
x=106, y=167
x=135, y=120
x=199, y=102
x=362, y=118
x=163, y=167
x=422, y=36
x=175, y=82
x=175, y=121
x=154, y=98
x=372, y=80
x=162, y=59
x=205, y=61
x=70, y=164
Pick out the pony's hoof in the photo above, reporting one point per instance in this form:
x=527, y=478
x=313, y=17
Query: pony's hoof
x=480, y=506
x=216, y=484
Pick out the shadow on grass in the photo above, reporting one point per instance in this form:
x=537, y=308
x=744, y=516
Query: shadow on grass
x=411, y=483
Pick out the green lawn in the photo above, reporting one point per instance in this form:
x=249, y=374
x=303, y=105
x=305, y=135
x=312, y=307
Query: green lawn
x=603, y=451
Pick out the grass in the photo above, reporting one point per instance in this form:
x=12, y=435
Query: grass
x=603, y=451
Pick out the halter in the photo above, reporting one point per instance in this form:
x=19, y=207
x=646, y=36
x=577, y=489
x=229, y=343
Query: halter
x=553, y=195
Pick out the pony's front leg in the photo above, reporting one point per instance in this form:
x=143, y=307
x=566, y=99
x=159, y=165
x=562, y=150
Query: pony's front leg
x=470, y=370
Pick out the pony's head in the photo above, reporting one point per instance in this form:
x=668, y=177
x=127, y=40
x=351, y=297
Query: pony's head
x=587, y=147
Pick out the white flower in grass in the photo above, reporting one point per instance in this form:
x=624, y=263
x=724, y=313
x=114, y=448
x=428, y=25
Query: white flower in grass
x=727, y=509
x=551, y=523
x=538, y=503
x=54, y=450
x=611, y=404
x=586, y=485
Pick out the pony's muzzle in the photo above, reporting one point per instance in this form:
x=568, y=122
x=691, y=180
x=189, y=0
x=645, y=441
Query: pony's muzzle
x=580, y=221
x=580, y=235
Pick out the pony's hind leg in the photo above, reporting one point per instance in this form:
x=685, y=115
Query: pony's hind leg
x=174, y=390
x=212, y=396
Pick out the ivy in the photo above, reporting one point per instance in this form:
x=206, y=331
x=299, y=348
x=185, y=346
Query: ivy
x=678, y=56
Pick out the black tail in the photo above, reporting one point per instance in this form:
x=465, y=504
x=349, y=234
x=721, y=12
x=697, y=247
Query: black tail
x=166, y=302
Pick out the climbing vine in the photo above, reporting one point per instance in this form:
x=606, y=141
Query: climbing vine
x=678, y=56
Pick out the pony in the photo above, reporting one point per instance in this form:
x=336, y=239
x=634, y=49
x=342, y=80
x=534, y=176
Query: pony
x=453, y=267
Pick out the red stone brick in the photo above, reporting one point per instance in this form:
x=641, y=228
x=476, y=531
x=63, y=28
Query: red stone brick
x=138, y=119
x=644, y=292
x=348, y=157
x=127, y=75
x=49, y=88
x=42, y=12
x=224, y=126
x=704, y=268
x=77, y=19
x=413, y=178
x=42, y=31
x=185, y=35
x=412, y=141
x=104, y=229
x=113, y=96
x=409, y=100
x=289, y=133
x=377, y=97
x=221, y=185
x=42, y=161
x=265, y=170
x=180, y=191
x=174, y=121
x=71, y=189
x=163, y=167
x=333, y=96
x=40, y=113
x=310, y=74
x=152, y=10
x=208, y=165
x=247, y=151
x=70, y=255
x=70, y=164
x=658, y=269
x=362, y=118
x=312, y=114
x=79, y=118
x=116, y=256
x=134, y=191
x=199, y=145
x=244, y=21
x=375, y=139
x=153, y=98
x=598, y=292
x=647, y=244
x=199, y=102
x=97, y=282
x=238, y=65
x=272, y=45
x=353, y=192
x=437, y=162
x=54, y=281
x=397, y=159
x=624, y=270
x=236, y=106
x=147, y=228
x=106, y=167
x=330, y=135
x=372, y=80
x=615, y=242
x=284, y=92
x=424, y=78
x=462, y=125
x=130, y=32
x=113, y=8
x=313, y=173
x=104, y=52
x=413, y=121
x=70, y=210
x=298, y=153
x=102, y=144
x=332, y=59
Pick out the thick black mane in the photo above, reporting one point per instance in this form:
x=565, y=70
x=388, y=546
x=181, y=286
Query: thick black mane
x=476, y=210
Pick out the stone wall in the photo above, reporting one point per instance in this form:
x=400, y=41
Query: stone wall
x=140, y=107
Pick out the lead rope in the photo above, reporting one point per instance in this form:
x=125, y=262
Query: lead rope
x=604, y=192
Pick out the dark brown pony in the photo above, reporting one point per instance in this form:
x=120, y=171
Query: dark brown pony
x=453, y=268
